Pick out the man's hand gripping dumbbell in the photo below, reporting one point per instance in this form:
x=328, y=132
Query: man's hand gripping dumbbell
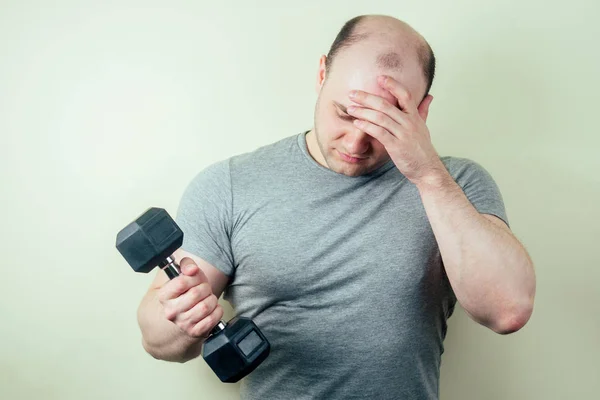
x=232, y=350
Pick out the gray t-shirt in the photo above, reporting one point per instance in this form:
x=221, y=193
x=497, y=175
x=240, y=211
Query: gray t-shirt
x=342, y=274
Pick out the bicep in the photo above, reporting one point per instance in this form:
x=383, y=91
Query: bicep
x=217, y=279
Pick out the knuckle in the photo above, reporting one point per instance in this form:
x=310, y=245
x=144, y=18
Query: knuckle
x=206, y=289
x=201, y=328
x=170, y=313
x=203, y=308
x=204, y=325
x=210, y=321
x=196, y=292
x=182, y=319
x=182, y=324
x=193, y=331
x=179, y=285
x=162, y=297
x=189, y=329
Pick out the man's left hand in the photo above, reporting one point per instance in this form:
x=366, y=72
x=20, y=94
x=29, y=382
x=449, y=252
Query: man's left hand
x=400, y=129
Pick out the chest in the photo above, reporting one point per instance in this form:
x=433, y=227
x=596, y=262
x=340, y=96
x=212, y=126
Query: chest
x=323, y=251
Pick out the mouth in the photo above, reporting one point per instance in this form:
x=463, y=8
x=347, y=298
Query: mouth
x=351, y=159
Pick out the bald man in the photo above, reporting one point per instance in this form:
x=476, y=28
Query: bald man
x=348, y=244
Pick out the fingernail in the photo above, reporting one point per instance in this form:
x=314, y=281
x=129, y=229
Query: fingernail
x=351, y=109
x=353, y=94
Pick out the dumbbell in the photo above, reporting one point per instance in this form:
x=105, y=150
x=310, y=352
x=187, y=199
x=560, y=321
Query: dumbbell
x=232, y=350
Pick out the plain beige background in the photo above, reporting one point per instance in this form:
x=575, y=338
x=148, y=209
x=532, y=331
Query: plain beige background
x=107, y=108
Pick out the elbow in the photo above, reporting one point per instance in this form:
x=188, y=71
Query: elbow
x=150, y=350
x=516, y=314
x=163, y=354
x=514, y=320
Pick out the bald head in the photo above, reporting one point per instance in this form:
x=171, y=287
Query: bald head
x=392, y=44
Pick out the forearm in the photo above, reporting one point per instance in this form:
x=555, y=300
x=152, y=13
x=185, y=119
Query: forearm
x=489, y=270
x=161, y=338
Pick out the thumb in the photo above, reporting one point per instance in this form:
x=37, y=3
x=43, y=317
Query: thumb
x=188, y=267
x=423, y=108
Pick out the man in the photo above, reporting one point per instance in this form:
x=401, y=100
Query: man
x=348, y=245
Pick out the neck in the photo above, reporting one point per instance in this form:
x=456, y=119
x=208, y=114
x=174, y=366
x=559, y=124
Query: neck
x=313, y=148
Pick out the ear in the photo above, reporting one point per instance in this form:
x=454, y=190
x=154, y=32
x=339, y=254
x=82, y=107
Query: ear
x=321, y=74
x=424, y=107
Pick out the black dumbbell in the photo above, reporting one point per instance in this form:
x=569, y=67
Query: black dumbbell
x=232, y=350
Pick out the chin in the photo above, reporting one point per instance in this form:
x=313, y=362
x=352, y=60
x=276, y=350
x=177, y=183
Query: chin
x=347, y=169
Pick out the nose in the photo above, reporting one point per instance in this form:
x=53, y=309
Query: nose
x=356, y=142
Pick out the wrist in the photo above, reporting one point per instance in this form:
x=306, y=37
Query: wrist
x=435, y=178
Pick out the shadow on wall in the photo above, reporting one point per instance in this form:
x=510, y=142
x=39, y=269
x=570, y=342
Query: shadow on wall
x=555, y=355
x=490, y=94
x=548, y=173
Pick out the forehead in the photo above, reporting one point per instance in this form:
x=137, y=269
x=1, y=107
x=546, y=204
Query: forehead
x=359, y=67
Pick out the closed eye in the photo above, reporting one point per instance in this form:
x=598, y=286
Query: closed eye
x=341, y=112
x=346, y=117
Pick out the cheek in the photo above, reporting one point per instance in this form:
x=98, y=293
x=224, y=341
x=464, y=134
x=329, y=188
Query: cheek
x=378, y=148
x=331, y=126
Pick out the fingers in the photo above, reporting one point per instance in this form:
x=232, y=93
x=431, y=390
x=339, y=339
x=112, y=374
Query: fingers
x=401, y=93
x=188, y=266
x=200, y=319
x=378, y=103
x=200, y=311
x=204, y=326
x=375, y=117
x=377, y=132
x=188, y=301
x=191, y=276
x=181, y=304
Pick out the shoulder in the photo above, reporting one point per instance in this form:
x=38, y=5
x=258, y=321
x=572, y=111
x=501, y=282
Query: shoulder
x=265, y=156
x=248, y=165
x=456, y=165
x=216, y=172
x=464, y=169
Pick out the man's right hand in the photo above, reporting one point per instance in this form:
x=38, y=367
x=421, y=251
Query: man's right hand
x=188, y=301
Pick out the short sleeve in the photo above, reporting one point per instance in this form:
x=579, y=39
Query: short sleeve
x=204, y=216
x=478, y=185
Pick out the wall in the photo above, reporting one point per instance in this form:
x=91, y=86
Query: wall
x=107, y=108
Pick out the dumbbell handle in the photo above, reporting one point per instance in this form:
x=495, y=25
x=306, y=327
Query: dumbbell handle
x=171, y=268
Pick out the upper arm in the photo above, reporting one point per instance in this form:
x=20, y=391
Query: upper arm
x=217, y=279
x=480, y=188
